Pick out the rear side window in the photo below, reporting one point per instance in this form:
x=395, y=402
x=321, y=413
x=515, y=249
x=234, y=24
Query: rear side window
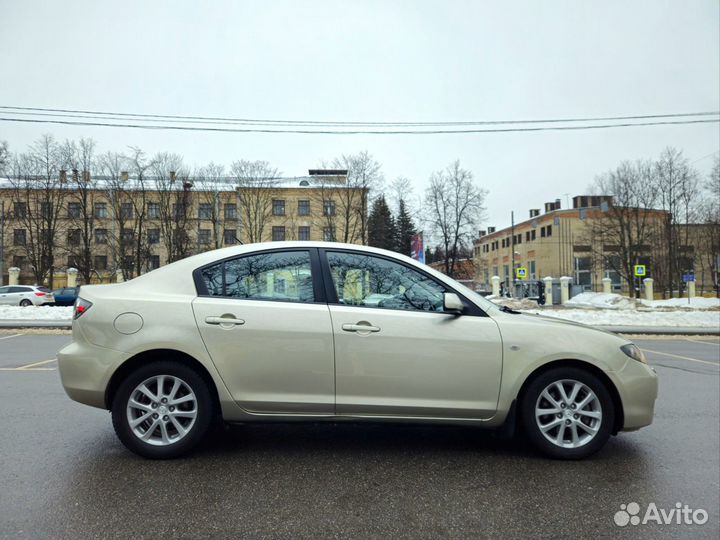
x=284, y=276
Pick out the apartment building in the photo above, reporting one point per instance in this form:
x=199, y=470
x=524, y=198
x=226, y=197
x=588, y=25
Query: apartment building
x=571, y=242
x=105, y=227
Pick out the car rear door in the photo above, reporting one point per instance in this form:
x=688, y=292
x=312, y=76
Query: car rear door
x=398, y=354
x=266, y=325
x=4, y=296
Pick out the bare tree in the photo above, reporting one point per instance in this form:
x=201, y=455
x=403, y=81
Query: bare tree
x=707, y=238
x=4, y=156
x=676, y=185
x=256, y=182
x=210, y=183
x=173, y=187
x=624, y=234
x=455, y=206
x=364, y=175
x=79, y=162
x=38, y=195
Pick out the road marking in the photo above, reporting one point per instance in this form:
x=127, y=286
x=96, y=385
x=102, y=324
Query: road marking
x=703, y=342
x=8, y=337
x=681, y=357
x=26, y=366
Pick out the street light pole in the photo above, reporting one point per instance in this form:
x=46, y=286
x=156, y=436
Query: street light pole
x=512, y=251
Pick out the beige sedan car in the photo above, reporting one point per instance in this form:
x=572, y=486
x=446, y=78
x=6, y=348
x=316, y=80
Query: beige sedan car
x=325, y=331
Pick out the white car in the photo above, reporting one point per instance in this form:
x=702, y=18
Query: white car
x=281, y=332
x=25, y=295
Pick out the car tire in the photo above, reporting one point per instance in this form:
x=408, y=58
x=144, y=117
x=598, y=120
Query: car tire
x=163, y=424
x=567, y=413
x=25, y=303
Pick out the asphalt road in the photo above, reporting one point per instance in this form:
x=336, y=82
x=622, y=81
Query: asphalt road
x=63, y=474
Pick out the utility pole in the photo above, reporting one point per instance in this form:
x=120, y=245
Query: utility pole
x=2, y=243
x=512, y=252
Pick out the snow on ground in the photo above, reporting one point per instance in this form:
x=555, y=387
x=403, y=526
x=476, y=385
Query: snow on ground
x=607, y=317
x=39, y=313
x=601, y=309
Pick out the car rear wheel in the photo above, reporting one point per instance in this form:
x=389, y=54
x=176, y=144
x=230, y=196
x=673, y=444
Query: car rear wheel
x=567, y=413
x=162, y=410
x=25, y=303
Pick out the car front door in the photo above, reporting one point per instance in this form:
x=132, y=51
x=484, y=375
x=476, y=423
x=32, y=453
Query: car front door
x=267, y=328
x=397, y=353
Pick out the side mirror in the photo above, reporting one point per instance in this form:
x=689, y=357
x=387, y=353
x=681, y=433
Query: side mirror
x=452, y=303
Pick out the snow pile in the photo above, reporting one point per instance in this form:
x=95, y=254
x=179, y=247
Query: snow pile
x=607, y=317
x=39, y=313
x=695, y=303
x=601, y=300
x=513, y=303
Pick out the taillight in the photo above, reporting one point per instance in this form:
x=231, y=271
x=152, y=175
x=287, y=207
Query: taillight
x=81, y=306
x=39, y=294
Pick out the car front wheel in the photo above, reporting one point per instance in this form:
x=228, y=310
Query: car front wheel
x=567, y=413
x=162, y=410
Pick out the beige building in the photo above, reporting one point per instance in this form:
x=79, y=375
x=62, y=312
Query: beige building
x=569, y=242
x=113, y=229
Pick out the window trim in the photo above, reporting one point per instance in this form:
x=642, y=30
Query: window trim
x=471, y=309
x=315, y=272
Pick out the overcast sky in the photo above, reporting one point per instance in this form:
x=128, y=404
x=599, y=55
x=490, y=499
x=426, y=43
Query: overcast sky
x=378, y=61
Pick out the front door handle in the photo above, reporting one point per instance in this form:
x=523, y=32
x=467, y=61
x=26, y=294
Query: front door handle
x=360, y=327
x=224, y=320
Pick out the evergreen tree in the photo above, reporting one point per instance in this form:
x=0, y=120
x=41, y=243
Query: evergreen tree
x=428, y=255
x=381, y=225
x=405, y=229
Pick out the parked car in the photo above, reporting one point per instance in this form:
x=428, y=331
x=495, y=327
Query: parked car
x=281, y=331
x=25, y=295
x=66, y=296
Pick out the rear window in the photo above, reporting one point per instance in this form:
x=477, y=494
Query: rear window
x=43, y=289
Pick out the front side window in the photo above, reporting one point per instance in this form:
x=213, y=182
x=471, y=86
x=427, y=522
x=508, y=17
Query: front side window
x=282, y=276
x=365, y=280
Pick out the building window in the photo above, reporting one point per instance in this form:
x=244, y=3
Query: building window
x=303, y=233
x=549, y=230
x=328, y=208
x=278, y=207
x=154, y=262
x=72, y=261
x=506, y=274
x=100, y=262
x=230, y=237
x=153, y=210
x=19, y=210
x=204, y=236
x=101, y=211
x=129, y=263
x=19, y=237
x=542, y=232
x=303, y=208
x=583, y=272
x=19, y=261
x=230, y=211
x=153, y=236
x=329, y=234
x=126, y=210
x=532, y=270
x=74, y=237
x=278, y=234
x=101, y=236
x=205, y=211
x=46, y=209
x=127, y=235
x=74, y=210
x=532, y=234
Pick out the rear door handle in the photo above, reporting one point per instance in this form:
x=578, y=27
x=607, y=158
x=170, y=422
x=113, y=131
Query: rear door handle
x=224, y=320
x=367, y=327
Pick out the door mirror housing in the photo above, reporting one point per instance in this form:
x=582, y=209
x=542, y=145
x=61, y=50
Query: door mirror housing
x=452, y=303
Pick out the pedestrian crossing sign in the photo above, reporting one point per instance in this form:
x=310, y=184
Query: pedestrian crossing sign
x=639, y=270
x=521, y=273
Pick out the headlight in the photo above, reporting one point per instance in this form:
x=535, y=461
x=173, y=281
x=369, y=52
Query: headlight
x=634, y=352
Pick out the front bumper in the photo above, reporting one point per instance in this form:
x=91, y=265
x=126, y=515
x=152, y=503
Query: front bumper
x=85, y=371
x=637, y=384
